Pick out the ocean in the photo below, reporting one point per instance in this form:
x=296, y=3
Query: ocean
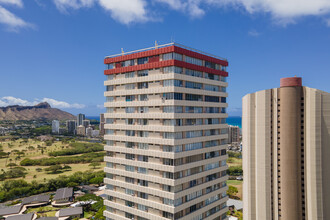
x=235, y=121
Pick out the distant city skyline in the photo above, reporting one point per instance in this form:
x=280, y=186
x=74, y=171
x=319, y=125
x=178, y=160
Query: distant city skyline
x=53, y=50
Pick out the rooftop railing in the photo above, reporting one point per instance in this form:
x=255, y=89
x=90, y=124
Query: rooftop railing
x=167, y=45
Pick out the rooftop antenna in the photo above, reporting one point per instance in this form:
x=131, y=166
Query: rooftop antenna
x=122, y=51
x=172, y=40
x=156, y=44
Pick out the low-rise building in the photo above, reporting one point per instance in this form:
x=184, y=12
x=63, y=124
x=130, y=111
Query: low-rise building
x=11, y=210
x=37, y=200
x=76, y=212
x=95, y=133
x=63, y=196
x=29, y=216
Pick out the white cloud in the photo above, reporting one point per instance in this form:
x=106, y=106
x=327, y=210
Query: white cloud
x=126, y=11
x=13, y=22
x=18, y=3
x=10, y=100
x=254, y=33
x=100, y=106
x=192, y=7
x=61, y=104
x=63, y=5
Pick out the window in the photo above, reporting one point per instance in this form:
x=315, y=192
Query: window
x=129, y=204
x=110, y=110
x=211, y=121
x=173, y=69
x=142, y=60
x=211, y=98
x=130, y=86
x=110, y=99
x=130, y=156
x=212, y=65
x=130, y=109
x=143, y=109
x=130, y=133
x=173, y=122
x=172, y=109
x=143, y=73
x=110, y=88
x=172, y=82
x=194, y=61
x=129, y=144
x=130, y=98
x=111, y=77
x=192, y=134
x=143, y=158
x=212, y=110
x=142, y=170
x=110, y=66
x=191, y=109
x=212, y=88
x=193, y=97
x=143, y=134
x=172, y=135
x=129, y=75
x=143, y=208
x=129, y=168
x=194, y=85
x=109, y=131
x=143, y=85
x=130, y=121
x=212, y=76
x=211, y=166
x=172, y=56
x=212, y=143
x=194, y=121
x=171, y=96
x=193, y=146
x=143, y=146
x=127, y=63
x=129, y=215
x=195, y=73
x=143, y=97
x=167, y=201
x=143, y=121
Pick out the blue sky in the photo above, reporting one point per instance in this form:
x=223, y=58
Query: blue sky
x=53, y=50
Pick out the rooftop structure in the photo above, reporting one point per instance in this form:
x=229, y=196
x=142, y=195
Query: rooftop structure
x=29, y=216
x=10, y=210
x=63, y=194
x=71, y=212
x=36, y=199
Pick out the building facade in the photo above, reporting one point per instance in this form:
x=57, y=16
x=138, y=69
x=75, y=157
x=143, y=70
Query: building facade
x=86, y=123
x=233, y=134
x=166, y=135
x=55, y=127
x=81, y=130
x=71, y=126
x=286, y=136
x=80, y=119
x=102, y=123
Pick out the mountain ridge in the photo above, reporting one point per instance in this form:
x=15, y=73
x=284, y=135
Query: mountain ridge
x=42, y=111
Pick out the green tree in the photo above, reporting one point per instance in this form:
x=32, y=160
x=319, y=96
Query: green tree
x=54, y=169
x=232, y=191
x=11, y=165
x=94, y=165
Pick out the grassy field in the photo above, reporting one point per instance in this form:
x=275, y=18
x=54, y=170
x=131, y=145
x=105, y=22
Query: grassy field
x=37, y=153
x=232, y=161
x=238, y=185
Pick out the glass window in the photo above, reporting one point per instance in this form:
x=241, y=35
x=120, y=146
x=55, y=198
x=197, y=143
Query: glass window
x=212, y=110
x=110, y=66
x=172, y=109
x=143, y=109
x=212, y=76
x=129, y=75
x=143, y=85
x=212, y=98
x=130, y=98
x=110, y=99
x=193, y=146
x=170, y=96
x=127, y=63
x=130, y=109
x=142, y=60
x=130, y=86
x=212, y=88
x=194, y=85
x=192, y=134
x=142, y=73
x=110, y=88
x=143, y=97
x=171, y=56
x=172, y=135
x=192, y=109
x=195, y=73
x=110, y=110
x=172, y=82
x=129, y=168
x=130, y=133
x=193, y=97
x=173, y=69
x=194, y=61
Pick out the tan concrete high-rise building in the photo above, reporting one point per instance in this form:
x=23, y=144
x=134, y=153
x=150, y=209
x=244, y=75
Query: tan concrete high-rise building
x=166, y=135
x=286, y=151
x=233, y=134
